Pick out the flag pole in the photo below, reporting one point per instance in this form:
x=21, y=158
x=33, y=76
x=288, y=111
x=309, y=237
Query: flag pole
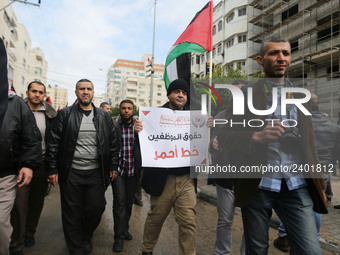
x=153, y=56
x=209, y=108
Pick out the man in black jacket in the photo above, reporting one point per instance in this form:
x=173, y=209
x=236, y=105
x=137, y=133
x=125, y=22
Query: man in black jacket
x=170, y=188
x=44, y=115
x=82, y=153
x=129, y=168
x=20, y=152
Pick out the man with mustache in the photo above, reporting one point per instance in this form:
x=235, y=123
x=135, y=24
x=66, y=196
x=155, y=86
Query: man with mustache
x=82, y=155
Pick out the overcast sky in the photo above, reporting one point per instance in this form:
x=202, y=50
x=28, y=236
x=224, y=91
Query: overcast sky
x=82, y=38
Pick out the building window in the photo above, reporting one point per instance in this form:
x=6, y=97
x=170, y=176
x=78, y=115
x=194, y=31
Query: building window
x=159, y=86
x=141, y=92
x=141, y=100
x=242, y=11
x=230, y=43
x=117, y=82
x=294, y=46
x=117, y=76
x=214, y=52
x=37, y=71
x=159, y=94
x=25, y=45
x=159, y=102
x=214, y=29
x=111, y=74
x=135, y=73
x=290, y=12
x=219, y=26
x=230, y=17
x=192, y=61
x=24, y=62
x=327, y=33
x=242, y=38
x=118, y=71
x=197, y=59
x=141, y=74
x=202, y=59
x=219, y=49
x=142, y=84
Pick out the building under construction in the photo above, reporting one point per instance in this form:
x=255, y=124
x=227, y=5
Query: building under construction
x=312, y=28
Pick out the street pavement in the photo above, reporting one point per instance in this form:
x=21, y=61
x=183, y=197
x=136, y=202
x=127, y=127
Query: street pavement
x=50, y=239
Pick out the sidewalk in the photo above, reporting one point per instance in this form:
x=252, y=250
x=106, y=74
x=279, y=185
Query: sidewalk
x=330, y=227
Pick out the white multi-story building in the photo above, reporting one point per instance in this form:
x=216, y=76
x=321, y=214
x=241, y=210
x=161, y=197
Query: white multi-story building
x=230, y=39
x=98, y=99
x=129, y=79
x=38, y=66
x=18, y=46
x=58, y=96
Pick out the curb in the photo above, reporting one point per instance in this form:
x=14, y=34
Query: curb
x=207, y=193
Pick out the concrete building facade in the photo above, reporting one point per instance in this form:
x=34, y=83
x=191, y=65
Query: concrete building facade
x=18, y=46
x=58, y=96
x=38, y=66
x=127, y=79
x=230, y=39
x=312, y=28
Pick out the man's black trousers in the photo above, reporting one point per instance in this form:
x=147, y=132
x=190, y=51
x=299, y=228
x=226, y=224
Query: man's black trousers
x=82, y=205
x=124, y=189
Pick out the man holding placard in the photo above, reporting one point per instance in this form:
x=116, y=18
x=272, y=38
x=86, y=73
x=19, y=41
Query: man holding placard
x=170, y=188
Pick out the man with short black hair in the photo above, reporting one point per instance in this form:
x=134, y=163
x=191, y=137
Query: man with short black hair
x=44, y=115
x=106, y=107
x=82, y=154
x=289, y=193
x=129, y=169
x=170, y=188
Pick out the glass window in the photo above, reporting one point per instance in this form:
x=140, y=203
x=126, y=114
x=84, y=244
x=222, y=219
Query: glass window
x=230, y=43
x=117, y=82
x=111, y=74
x=118, y=71
x=214, y=29
x=242, y=11
x=159, y=94
x=117, y=76
x=142, y=84
x=230, y=17
x=219, y=49
x=202, y=59
x=242, y=38
x=220, y=25
x=214, y=52
x=141, y=74
x=141, y=92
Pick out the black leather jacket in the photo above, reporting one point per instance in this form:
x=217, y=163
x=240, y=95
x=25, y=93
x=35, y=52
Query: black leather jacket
x=20, y=139
x=63, y=139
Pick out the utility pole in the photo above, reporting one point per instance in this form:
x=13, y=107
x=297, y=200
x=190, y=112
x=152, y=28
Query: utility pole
x=153, y=56
x=20, y=1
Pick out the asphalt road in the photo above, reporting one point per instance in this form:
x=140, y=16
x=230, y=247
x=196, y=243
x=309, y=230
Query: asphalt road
x=50, y=240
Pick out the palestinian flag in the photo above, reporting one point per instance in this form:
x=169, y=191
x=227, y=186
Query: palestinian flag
x=196, y=38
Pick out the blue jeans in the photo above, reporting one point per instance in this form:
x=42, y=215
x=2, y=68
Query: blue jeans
x=318, y=217
x=294, y=208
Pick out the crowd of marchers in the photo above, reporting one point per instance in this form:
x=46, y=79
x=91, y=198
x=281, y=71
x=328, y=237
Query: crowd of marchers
x=85, y=150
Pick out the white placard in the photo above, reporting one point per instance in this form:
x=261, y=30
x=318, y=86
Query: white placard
x=172, y=138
